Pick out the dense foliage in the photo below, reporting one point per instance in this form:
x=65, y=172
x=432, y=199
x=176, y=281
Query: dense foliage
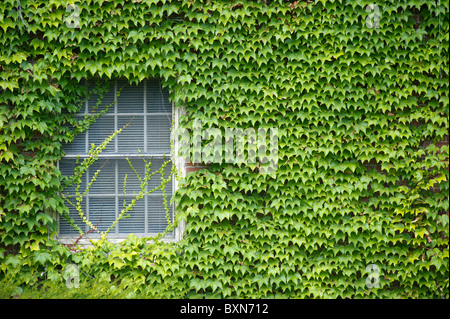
x=357, y=90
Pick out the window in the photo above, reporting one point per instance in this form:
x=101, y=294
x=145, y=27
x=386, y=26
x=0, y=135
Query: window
x=147, y=108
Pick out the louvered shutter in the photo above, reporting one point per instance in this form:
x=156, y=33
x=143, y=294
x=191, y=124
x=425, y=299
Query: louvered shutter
x=147, y=109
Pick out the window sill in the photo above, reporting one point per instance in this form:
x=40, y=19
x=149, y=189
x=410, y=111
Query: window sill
x=114, y=239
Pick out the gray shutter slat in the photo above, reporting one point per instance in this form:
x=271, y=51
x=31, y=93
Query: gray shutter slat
x=158, y=134
x=136, y=222
x=100, y=130
x=78, y=145
x=65, y=228
x=131, y=98
x=102, y=212
x=132, y=137
x=105, y=181
x=67, y=167
x=157, y=221
x=133, y=184
x=108, y=98
x=157, y=98
x=155, y=181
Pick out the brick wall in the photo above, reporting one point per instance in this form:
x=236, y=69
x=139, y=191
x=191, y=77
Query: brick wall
x=192, y=167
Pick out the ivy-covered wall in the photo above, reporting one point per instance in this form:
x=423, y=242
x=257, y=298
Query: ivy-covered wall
x=358, y=91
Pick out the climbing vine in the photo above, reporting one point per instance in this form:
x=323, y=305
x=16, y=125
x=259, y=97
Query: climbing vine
x=358, y=93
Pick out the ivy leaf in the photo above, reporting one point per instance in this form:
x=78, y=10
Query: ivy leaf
x=186, y=78
x=41, y=257
x=34, y=246
x=13, y=260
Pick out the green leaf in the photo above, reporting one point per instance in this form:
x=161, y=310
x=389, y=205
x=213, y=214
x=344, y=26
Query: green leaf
x=41, y=257
x=34, y=246
x=13, y=260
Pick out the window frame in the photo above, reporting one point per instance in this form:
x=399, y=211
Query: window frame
x=179, y=162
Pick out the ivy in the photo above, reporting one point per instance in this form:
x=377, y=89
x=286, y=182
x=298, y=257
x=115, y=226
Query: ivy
x=358, y=92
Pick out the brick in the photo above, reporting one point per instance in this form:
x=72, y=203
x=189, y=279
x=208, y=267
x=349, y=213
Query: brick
x=192, y=169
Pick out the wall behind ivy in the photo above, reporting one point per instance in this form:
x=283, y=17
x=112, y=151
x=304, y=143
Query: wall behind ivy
x=357, y=89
